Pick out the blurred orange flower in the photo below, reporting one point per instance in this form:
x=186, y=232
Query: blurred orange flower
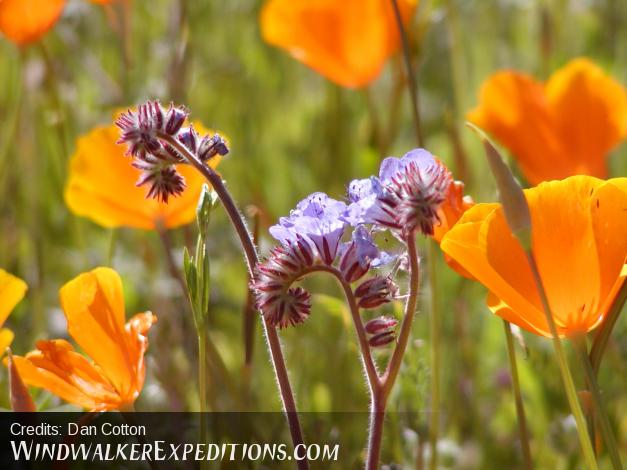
x=26, y=21
x=12, y=290
x=346, y=41
x=558, y=129
x=449, y=213
x=101, y=186
x=579, y=233
x=93, y=304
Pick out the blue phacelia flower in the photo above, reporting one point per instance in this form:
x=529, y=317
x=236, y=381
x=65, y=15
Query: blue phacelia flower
x=405, y=197
x=319, y=219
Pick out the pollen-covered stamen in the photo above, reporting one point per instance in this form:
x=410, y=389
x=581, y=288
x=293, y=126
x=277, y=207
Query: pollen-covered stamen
x=420, y=192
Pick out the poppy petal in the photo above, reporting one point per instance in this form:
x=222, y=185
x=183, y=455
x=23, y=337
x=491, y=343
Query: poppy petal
x=12, y=290
x=93, y=304
x=56, y=367
x=564, y=128
x=514, y=110
x=466, y=244
x=136, y=331
x=348, y=42
x=26, y=21
x=609, y=199
x=589, y=110
x=6, y=338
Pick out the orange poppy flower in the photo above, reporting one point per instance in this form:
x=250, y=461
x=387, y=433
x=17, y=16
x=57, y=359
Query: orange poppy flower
x=346, y=41
x=564, y=127
x=26, y=21
x=12, y=290
x=449, y=213
x=101, y=186
x=93, y=304
x=579, y=239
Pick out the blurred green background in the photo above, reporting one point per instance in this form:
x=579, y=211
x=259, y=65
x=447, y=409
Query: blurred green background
x=291, y=133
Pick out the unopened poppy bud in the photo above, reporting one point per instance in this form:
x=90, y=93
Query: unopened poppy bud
x=21, y=400
x=210, y=146
x=381, y=339
x=375, y=291
x=511, y=194
x=380, y=325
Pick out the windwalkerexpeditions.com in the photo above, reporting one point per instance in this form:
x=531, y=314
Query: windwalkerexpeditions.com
x=159, y=451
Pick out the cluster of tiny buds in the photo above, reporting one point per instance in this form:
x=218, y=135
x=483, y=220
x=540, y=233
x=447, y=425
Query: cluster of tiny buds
x=149, y=133
x=381, y=331
x=411, y=200
x=420, y=192
x=281, y=304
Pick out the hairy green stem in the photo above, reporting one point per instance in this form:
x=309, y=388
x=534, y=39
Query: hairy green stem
x=381, y=395
x=435, y=331
x=567, y=378
x=520, y=407
x=202, y=385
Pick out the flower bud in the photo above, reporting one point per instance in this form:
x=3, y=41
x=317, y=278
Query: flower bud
x=174, y=119
x=381, y=339
x=210, y=146
x=358, y=255
x=189, y=138
x=375, y=291
x=350, y=265
x=380, y=325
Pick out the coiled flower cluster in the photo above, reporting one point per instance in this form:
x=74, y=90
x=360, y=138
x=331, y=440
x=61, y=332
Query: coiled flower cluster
x=150, y=133
x=404, y=198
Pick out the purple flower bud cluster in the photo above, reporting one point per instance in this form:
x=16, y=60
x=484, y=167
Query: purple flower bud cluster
x=310, y=235
x=148, y=133
x=404, y=198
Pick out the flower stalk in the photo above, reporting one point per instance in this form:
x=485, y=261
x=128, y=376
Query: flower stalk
x=272, y=337
x=606, y=430
x=380, y=397
x=605, y=330
x=412, y=83
x=435, y=329
x=520, y=407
